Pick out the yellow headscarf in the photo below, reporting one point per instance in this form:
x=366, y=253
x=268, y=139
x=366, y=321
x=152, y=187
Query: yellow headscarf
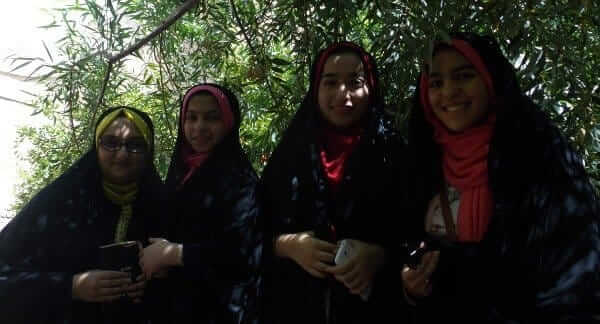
x=137, y=120
x=123, y=195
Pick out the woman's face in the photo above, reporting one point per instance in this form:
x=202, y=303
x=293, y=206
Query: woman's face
x=343, y=92
x=457, y=93
x=203, y=124
x=117, y=163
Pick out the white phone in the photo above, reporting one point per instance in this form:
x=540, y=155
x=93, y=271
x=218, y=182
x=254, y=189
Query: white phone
x=344, y=252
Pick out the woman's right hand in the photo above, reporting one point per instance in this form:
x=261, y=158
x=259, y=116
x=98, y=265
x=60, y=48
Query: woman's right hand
x=100, y=286
x=416, y=282
x=313, y=255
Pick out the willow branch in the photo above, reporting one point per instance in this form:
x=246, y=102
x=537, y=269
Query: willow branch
x=184, y=8
x=101, y=95
x=17, y=101
x=252, y=49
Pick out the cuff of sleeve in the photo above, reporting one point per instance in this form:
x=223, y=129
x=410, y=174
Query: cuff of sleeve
x=196, y=254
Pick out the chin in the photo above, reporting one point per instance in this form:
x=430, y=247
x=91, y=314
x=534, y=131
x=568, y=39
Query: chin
x=342, y=124
x=201, y=149
x=122, y=179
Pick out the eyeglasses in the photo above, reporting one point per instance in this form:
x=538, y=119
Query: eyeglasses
x=113, y=144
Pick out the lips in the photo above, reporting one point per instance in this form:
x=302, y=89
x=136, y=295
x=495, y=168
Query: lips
x=343, y=109
x=456, y=107
x=200, y=140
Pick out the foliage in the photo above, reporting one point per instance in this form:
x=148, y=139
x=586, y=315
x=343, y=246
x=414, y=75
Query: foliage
x=263, y=50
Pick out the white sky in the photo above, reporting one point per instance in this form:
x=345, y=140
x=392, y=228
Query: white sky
x=20, y=36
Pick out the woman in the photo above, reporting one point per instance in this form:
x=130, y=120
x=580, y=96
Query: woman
x=504, y=197
x=327, y=182
x=214, y=258
x=50, y=261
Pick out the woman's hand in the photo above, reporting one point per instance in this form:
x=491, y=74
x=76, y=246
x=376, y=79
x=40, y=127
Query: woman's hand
x=157, y=257
x=100, y=286
x=358, y=272
x=312, y=254
x=416, y=282
x=135, y=291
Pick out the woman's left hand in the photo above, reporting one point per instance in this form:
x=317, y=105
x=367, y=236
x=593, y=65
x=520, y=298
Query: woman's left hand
x=135, y=291
x=357, y=274
x=158, y=256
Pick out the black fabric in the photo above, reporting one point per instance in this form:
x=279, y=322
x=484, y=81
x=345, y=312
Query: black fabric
x=57, y=235
x=215, y=216
x=539, y=260
x=296, y=198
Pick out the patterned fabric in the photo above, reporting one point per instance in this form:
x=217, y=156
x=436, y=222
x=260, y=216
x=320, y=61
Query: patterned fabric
x=132, y=115
x=539, y=261
x=215, y=216
x=57, y=235
x=122, y=196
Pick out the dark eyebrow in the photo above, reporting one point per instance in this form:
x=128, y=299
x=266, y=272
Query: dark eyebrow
x=212, y=111
x=353, y=74
x=456, y=69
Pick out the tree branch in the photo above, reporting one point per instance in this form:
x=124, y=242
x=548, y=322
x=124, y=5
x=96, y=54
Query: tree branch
x=252, y=49
x=187, y=6
x=17, y=101
x=16, y=76
x=162, y=87
x=101, y=95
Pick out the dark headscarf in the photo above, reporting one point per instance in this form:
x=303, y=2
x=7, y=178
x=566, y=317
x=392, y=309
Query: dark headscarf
x=298, y=196
x=57, y=234
x=229, y=146
x=298, y=154
x=544, y=220
x=464, y=154
x=425, y=152
x=192, y=159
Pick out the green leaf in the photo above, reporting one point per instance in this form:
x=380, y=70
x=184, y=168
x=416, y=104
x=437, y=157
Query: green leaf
x=21, y=66
x=47, y=51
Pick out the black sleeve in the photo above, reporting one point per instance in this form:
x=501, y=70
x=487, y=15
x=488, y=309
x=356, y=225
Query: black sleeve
x=566, y=235
x=30, y=289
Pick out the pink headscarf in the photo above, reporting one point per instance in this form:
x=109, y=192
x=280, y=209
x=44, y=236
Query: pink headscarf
x=464, y=155
x=192, y=159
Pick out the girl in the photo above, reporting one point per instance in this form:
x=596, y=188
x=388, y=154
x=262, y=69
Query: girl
x=502, y=193
x=324, y=183
x=214, y=264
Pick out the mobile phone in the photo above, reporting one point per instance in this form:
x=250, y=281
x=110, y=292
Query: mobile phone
x=417, y=253
x=344, y=253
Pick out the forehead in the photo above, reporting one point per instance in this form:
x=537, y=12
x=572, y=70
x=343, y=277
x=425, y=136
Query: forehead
x=343, y=63
x=203, y=102
x=447, y=59
x=122, y=127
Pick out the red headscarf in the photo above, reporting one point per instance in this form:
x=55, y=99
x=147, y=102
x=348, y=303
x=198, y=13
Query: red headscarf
x=337, y=147
x=192, y=159
x=464, y=156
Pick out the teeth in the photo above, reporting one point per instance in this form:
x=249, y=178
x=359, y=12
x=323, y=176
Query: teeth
x=454, y=108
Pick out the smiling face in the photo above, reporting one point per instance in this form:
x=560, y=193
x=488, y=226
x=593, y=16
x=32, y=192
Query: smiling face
x=457, y=93
x=121, y=166
x=343, y=92
x=203, y=125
